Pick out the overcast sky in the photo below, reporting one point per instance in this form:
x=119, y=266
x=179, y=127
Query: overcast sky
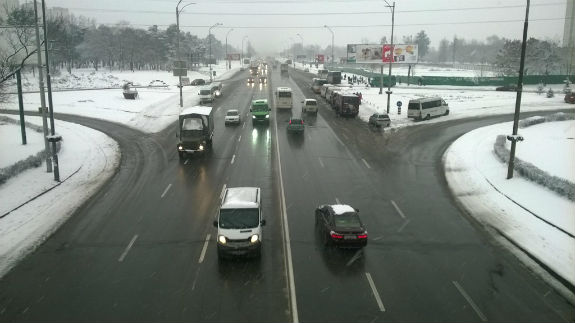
x=351, y=20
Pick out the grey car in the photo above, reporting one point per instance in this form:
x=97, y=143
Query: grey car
x=380, y=120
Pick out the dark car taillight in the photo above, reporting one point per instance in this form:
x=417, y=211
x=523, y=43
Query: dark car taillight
x=362, y=236
x=335, y=235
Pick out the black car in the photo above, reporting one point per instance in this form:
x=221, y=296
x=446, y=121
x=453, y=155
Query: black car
x=251, y=80
x=570, y=97
x=198, y=82
x=340, y=225
x=508, y=87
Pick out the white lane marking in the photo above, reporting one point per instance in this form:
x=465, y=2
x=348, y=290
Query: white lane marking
x=223, y=191
x=166, y=191
x=196, y=278
x=339, y=140
x=233, y=158
x=243, y=125
x=337, y=201
x=287, y=246
x=186, y=162
x=365, y=162
x=403, y=225
x=128, y=248
x=345, y=136
x=397, y=209
x=239, y=138
x=320, y=162
x=203, y=254
x=470, y=301
x=375, y=293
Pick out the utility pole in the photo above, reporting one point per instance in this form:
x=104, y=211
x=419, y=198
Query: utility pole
x=332, y=37
x=42, y=95
x=242, y=58
x=388, y=92
x=454, y=49
x=227, y=58
x=210, y=56
x=302, y=50
x=50, y=105
x=514, y=137
x=178, y=11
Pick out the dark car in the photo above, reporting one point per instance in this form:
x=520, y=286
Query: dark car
x=263, y=80
x=251, y=80
x=508, y=87
x=295, y=125
x=340, y=225
x=570, y=97
x=198, y=82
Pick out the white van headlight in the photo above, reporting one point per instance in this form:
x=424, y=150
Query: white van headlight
x=222, y=239
x=254, y=238
x=201, y=147
x=267, y=116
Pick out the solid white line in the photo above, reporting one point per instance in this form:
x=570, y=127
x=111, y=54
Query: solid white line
x=239, y=138
x=166, y=191
x=375, y=293
x=403, y=225
x=320, y=162
x=223, y=191
x=233, y=158
x=344, y=135
x=186, y=162
x=397, y=209
x=243, y=125
x=339, y=140
x=203, y=254
x=366, y=164
x=337, y=201
x=470, y=301
x=128, y=248
x=291, y=280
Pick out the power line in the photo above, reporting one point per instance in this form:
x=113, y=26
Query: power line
x=194, y=13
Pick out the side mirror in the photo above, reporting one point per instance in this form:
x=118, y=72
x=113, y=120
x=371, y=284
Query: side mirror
x=215, y=223
x=263, y=222
x=357, y=210
x=269, y=109
x=250, y=109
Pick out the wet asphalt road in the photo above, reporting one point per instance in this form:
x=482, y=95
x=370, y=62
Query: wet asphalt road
x=143, y=249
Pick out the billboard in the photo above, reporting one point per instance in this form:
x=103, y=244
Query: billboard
x=378, y=54
x=320, y=59
x=233, y=57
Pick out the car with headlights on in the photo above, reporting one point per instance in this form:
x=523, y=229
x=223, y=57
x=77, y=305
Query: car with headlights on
x=340, y=225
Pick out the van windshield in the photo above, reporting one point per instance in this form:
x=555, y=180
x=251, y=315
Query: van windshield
x=413, y=106
x=284, y=94
x=192, y=124
x=239, y=218
x=205, y=92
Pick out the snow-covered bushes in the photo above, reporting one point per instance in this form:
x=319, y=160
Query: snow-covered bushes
x=32, y=161
x=524, y=123
x=560, y=116
x=529, y=171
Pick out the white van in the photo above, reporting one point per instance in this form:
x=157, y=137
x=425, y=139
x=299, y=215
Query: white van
x=283, y=98
x=426, y=108
x=316, y=84
x=239, y=222
x=309, y=106
x=206, y=94
x=323, y=89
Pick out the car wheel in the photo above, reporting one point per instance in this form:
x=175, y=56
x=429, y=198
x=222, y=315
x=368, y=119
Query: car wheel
x=446, y=112
x=427, y=117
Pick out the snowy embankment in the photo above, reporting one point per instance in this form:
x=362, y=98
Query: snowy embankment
x=33, y=205
x=530, y=216
x=153, y=110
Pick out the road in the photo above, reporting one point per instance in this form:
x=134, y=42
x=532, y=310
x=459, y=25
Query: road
x=143, y=248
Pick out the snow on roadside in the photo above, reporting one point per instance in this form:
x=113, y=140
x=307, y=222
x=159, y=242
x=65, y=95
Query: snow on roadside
x=11, y=141
x=473, y=172
x=152, y=111
x=87, y=159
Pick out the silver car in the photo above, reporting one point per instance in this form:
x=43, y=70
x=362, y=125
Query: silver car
x=232, y=116
x=380, y=120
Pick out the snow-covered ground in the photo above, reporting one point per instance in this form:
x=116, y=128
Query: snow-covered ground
x=152, y=111
x=157, y=108
x=87, y=159
x=478, y=179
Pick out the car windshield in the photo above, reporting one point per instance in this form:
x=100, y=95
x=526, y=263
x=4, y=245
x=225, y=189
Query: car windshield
x=205, y=92
x=239, y=218
x=284, y=94
x=232, y=113
x=347, y=220
x=310, y=103
x=192, y=124
x=260, y=107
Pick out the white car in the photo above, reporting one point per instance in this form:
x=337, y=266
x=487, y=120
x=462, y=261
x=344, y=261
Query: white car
x=309, y=106
x=232, y=116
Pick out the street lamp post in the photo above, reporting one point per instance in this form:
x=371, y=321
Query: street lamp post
x=243, y=49
x=303, y=52
x=178, y=11
x=227, y=58
x=332, y=36
x=210, y=56
x=388, y=92
x=292, y=50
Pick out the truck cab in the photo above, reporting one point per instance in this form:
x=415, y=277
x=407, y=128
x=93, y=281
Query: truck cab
x=196, y=130
x=260, y=111
x=206, y=94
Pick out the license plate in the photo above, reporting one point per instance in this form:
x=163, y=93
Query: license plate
x=350, y=237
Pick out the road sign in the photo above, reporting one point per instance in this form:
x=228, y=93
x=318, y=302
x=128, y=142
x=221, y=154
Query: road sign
x=399, y=103
x=180, y=68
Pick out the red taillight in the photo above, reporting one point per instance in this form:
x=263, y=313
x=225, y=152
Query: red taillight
x=302, y=122
x=336, y=236
x=290, y=122
x=362, y=236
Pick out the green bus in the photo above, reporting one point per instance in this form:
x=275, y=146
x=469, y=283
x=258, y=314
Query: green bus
x=260, y=111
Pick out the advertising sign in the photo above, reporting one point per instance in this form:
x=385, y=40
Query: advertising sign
x=378, y=54
x=233, y=57
x=320, y=59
